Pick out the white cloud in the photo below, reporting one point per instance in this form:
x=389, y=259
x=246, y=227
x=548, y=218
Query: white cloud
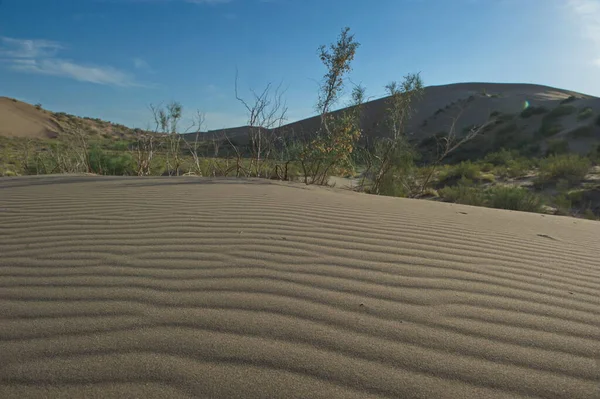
x=23, y=48
x=142, y=64
x=39, y=56
x=587, y=15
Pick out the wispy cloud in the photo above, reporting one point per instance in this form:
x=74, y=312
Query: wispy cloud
x=141, y=64
x=587, y=14
x=23, y=48
x=39, y=57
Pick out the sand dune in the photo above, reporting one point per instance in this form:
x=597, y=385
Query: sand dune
x=158, y=287
x=19, y=119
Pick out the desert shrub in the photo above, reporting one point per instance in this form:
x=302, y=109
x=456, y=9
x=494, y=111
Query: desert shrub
x=502, y=157
x=119, y=145
x=38, y=106
x=487, y=178
x=471, y=150
x=486, y=166
x=463, y=170
x=463, y=193
x=585, y=113
x=576, y=196
x=581, y=132
x=508, y=136
x=513, y=198
x=530, y=111
x=550, y=125
x=594, y=155
x=589, y=214
x=557, y=147
x=531, y=150
x=568, y=100
x=105, y=163
x=562, y=204
x=561, y=110
x=519, y=167
x=571, y=167
x=549, y=128
x=501, y=118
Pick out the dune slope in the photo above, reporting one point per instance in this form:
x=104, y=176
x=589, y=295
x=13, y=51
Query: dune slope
x=189, y=287
x=19, y=119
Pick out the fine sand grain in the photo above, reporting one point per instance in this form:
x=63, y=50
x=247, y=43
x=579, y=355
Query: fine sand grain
x=165, y=287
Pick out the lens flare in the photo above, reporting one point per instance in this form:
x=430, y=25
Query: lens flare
x=526, y=104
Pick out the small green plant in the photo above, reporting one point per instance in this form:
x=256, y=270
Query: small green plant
x=589, y=214
x=563, y=204
x=561, y=110
x=549, y=128
x=531, y=111
x=571, y=167
x=105, y=163
x=557, y=147
x=502, y=157
x=513, y=198
x=519, y=167
x=568, y=100
x=463, y=193
x=585, y=113
x=582, y=132
x=463, y=170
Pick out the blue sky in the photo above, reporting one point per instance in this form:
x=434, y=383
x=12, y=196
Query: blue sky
x=112, y=58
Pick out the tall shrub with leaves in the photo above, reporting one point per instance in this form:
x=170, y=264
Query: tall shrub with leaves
x=167, y=120
x=330, y=150
x=392, y=156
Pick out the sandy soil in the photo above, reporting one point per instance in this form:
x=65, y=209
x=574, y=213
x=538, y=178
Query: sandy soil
x=161, y=287
x=19, y=119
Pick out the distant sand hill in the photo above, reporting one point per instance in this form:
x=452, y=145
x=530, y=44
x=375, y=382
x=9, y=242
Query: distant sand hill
x=19, y=119
x=218, y=288
x=475, y=102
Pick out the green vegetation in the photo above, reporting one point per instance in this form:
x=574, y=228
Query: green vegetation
x=464, y=170
x=568, y=100
x=557, y=147
x=502, y=157
x=570, y=167
x=501, y=197
x=468, y=165
x=585, y=113
x=560, y=111
x=582, y=132
x=106, y=163
x=463, y=193
x=589, y=214
x=530, y=111
x=513, y=198
x=550, y=125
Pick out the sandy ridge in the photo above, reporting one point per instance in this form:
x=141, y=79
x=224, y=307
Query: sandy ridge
x=217, y=288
